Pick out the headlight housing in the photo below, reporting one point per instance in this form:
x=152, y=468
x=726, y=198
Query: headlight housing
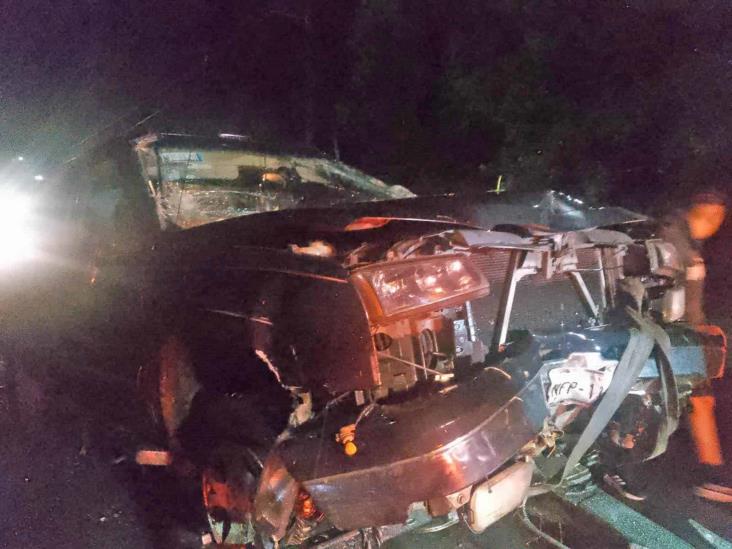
x=392, y=290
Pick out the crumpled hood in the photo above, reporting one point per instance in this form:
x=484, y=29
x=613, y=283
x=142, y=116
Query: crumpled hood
x=552, y=210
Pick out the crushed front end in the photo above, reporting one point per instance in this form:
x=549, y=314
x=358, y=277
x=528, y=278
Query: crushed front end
x=490, y=345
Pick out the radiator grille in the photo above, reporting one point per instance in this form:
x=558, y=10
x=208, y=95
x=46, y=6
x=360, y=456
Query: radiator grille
x=540, y=304
x=494, y=264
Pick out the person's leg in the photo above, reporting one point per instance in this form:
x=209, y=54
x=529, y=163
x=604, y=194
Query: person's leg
x=616, y=469
x=617, y=481
x=704, y=430
x=705, y=434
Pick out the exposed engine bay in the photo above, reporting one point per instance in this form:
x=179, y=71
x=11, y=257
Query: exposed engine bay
x=450, y=300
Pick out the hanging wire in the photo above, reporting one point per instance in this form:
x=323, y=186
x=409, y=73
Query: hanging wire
x=543, y=535
x=410, y=363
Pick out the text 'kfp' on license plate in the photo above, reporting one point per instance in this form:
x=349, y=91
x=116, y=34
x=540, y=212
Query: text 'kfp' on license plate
x=578, y=385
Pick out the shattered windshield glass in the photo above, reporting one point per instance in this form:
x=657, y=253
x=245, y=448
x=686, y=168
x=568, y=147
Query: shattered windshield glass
x=201, y=186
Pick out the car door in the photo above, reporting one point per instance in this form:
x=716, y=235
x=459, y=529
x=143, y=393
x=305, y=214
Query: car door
x=96, y=315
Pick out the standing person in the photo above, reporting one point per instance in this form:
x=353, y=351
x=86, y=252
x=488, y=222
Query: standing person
x=687, y=229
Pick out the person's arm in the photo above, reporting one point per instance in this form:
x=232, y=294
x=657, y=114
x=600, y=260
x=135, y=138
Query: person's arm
x=695, y=275
x=674, y=229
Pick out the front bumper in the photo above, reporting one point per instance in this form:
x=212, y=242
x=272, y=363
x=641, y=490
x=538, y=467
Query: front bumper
x=439, y=443
x=430, y=446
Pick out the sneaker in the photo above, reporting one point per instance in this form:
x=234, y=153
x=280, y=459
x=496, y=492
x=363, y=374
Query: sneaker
x=619, y=485
x=714, y=492
x=714, y=485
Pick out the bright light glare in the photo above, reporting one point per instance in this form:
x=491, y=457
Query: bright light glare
x=15, y=248
x=430, y=280
x=455, y=266
x=15, y=209
x=16, y=236
x=38, y=177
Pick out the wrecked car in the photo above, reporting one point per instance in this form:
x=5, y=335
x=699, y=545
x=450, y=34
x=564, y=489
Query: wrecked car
x=341, y=360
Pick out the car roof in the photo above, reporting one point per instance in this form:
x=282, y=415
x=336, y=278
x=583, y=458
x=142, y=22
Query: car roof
x=221, y=141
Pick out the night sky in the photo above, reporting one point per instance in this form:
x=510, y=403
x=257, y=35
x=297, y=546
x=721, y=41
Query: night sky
x=619, y=100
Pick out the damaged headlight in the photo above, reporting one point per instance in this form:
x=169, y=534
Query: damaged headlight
x=391, y=290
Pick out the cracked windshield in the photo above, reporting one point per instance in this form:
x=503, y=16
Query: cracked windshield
x=201, y=186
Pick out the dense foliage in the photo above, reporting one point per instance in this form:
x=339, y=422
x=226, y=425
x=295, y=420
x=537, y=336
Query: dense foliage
x=617, y=100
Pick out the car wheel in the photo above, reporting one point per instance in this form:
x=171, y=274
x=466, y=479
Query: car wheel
x=228, y=485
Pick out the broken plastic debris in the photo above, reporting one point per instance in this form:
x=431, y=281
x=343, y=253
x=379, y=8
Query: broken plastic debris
x=364, y=223
x=155, y=458
x=347, y=437
x=264, y=358
x=272, y=368
x=316, y=247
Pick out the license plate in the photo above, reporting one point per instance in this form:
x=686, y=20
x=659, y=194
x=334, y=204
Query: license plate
x=575, y=385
